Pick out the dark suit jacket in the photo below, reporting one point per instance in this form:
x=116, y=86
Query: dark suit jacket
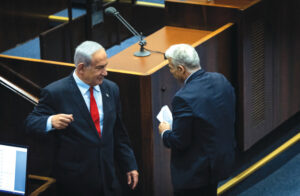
x=83, y=159
x=202, y=137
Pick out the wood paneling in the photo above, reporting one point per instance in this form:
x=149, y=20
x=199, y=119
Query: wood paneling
x=284, y=28
x=199, y=16
x=233, y=4
x=257, y=80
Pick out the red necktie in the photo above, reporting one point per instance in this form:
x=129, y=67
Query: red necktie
x=94, y=111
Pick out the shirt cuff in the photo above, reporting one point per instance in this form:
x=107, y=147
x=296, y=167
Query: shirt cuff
x=49, y=124
x=162, y=134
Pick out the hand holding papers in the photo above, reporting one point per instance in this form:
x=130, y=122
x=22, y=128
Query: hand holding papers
x=165, y=115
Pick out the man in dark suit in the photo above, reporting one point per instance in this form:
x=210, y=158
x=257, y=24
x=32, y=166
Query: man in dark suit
x=202, y=134
x=84, y=112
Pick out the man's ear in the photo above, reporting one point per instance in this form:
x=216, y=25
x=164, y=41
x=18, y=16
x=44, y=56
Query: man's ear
x=181, y=68
x=80, y=67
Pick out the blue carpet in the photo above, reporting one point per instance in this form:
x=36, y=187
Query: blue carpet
x=154, y=1
x=76, y=12
x=281, y=176
x=118, y=48
x=282, y=179
x=29, y=49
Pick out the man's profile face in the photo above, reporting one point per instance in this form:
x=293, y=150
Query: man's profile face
x=94, y=74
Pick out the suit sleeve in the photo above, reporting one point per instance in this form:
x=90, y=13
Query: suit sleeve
x=123, y=150
x=36, y=121
x=181, y=135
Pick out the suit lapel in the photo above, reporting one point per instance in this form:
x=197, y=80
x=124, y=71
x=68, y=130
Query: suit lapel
x=81, y=105
x=106, y=98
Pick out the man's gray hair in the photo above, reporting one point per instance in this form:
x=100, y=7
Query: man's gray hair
x=84, y=52
x=183, y=54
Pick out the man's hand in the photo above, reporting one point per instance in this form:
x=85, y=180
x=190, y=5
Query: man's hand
x=61, y=121
x=163, y=126
x=132, y=178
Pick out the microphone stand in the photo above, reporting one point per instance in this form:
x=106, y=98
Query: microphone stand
x=142, y=52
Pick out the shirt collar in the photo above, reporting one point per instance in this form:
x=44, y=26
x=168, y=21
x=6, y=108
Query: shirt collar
x=83, y=87
x=190, y=76
x=195, y=74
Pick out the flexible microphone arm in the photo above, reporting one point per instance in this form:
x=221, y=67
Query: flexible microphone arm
x=142, y=52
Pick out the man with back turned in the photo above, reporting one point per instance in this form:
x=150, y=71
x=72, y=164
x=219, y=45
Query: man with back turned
x=84, y=112
x=201, y=138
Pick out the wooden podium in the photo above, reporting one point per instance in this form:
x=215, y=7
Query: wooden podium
x=146, y=85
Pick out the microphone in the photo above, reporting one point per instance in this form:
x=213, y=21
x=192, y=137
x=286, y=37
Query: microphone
x=142, y=52
x=110, y=11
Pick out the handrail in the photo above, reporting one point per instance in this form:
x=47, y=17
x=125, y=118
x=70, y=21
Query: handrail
x=144, y=3
x=20, y=76
x=19, y=91
x=59, y=63
x=43, y=187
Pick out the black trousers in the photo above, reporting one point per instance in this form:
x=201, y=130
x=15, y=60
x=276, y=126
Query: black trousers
x=208, y=190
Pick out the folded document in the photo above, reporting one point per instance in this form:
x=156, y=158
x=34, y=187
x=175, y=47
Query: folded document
x=165, y=115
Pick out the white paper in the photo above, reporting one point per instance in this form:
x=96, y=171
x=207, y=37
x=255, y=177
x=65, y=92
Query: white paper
x=165, y=115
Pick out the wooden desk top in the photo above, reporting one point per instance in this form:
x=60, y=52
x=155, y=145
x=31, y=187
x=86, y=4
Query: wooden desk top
x=161, y=40
x=234, y=4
